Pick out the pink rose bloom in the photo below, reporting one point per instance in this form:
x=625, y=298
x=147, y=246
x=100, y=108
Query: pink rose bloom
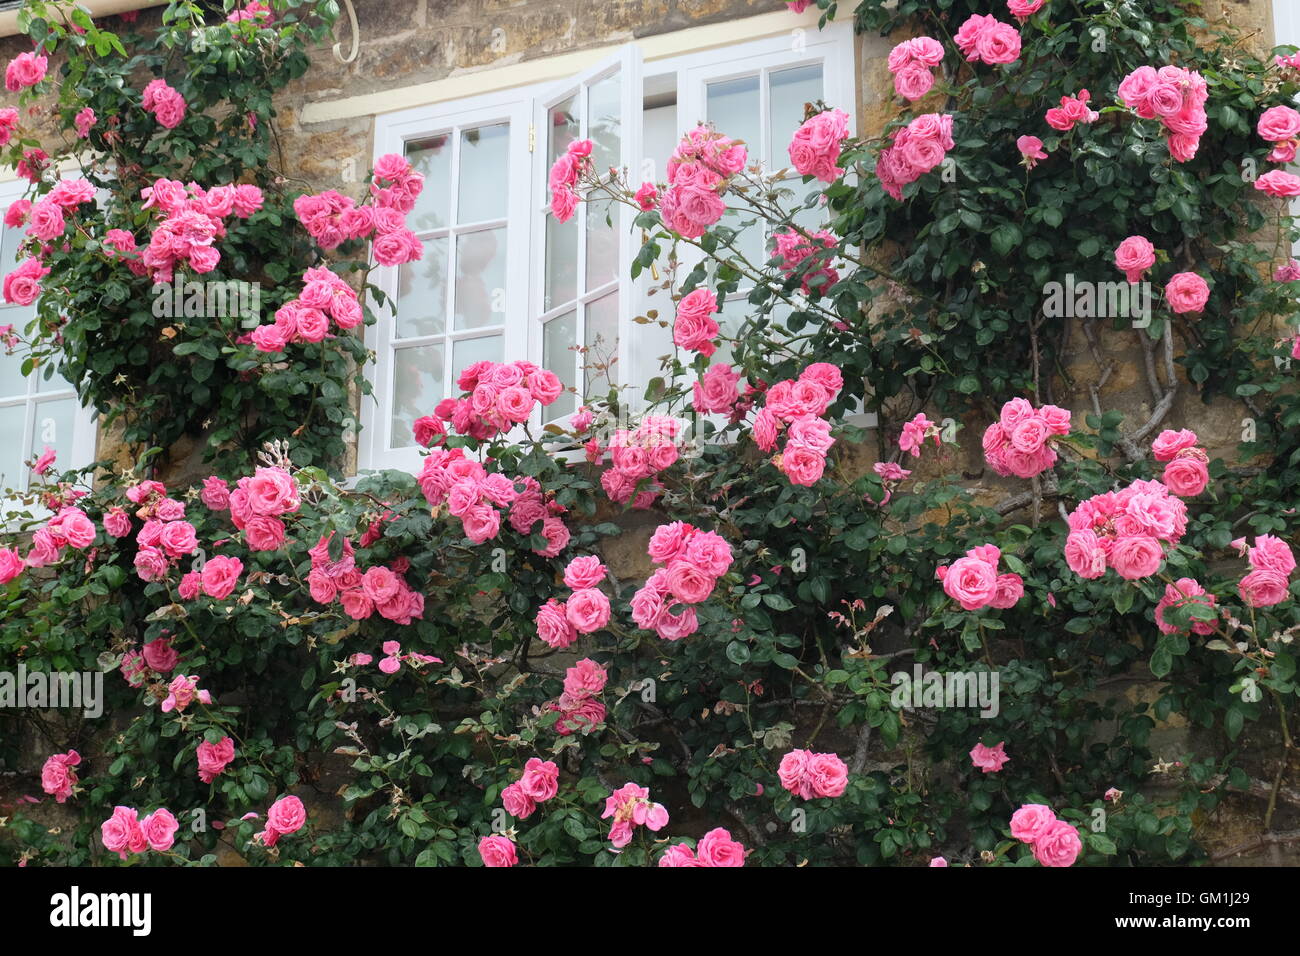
x=987, y=39
x=24, y=70
x=1169, y=443
x=1279, y=123
x=694, y=328
x=57, y=776
x=1187, y=292
x=11, y=564
x=220, y=575
x=517, y=803
x=717, y=848
x=1264, y=587
x=938, y=861
x=1273, y=554
x=1278, y=183
x=587, y=610
x=271, y=492
x=214, y=758
x=1058, y=845
x=1010, y=589
x=1023, y=9
x=988, y=759
x=646, y=195
x=1135, y=556
x=1182, y=592
x=913, y=81
x=22, y=286
x=584, y=572
x=540, y=780
x=286, y=815
x=1031, y=150
x=160, y=655
x=553, y=625
x=121, y=832
x=584, y=679
x=971, y=582
x=215, y=494
x=496, y=850
x=1187, y=475
x=159, y=829
x=1134, y=256
x=679, y=854
x=1031, y=822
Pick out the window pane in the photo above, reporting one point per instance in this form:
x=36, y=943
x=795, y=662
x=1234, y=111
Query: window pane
x=432, y=158
x=601, y=340
x=481, y=278
x=12, y=420
x=559, y=336
x=56, y=420
x=602, y=242
x=603, y=126
x=561, y=262
x=464, y=353
x=563, y=128
x=484, y=182
x=733, y=109
x=422, y=292
x=12, y=383
x=788, y=91
x=417, y=388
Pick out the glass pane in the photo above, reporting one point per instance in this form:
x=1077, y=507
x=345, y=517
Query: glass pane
x=12, y=420
x=559, y=336
x=422, y=292
x=561, y=262
x=417, y=388
x=788, y=91
x=432, y=158
x=601, y=339
x=9, y=241
x=563, y=129
x=602, y=242
x=485, y=348
x=56, y=422
x=481, y=278
x=603, y=127
x=733, y=109
x=483, y=176
x=12, y=383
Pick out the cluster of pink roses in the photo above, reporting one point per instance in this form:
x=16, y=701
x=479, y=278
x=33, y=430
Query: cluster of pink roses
x=715, y=848
x=1176, y=97
x=815, y=148
x=124, y=832
x=214, y=758
x=795, y=249
x=8, y=123
x=586, y=611
x=157, y=656
x=165, y=536
x=70, y=528
x=533, y=505
x=539, y=783
x=287, y=815
x=193, y=220
x=361, y=594
x=46, y=219
x=973, y=580
x=324, y=296
x=497, y=397
x=638, y=455
x=1280, y=125
x=914, y=151
x=166, y=104
x=331, y=218
x=23, y=285
x=988, y=39
x=694, y=328
x=183, y=691
x=1180, y=593
x=578, y=705
x=1073, y=110
x=912, y=62
x=1055, y=842
x=563, y=177
x=257, y=504
x=698, y=174
x=797, y=406
x=58, y=779
x=1019, y=442
x=1187, y=472
x=1124, y=530
x=693, y=561
x=1271, y=566
x=631, y=807
x=810, y=775
x=24, y=70
x=473, y=495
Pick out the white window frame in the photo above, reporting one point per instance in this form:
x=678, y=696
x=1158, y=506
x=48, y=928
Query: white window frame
x=84, y=423
x=832, y=47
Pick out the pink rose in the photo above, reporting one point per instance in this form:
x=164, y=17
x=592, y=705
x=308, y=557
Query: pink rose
x=220, y=575
x=1058, y=845
x=1187, y=292
x=286, y=815
x=587, y=610
x=717, y=848
x=988, y=759
x=1031, y=822
x=496, y=850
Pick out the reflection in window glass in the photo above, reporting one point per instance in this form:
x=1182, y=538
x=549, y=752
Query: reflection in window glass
x=417, y=387
x=13, y=421
x=559, y=336
x=432, y=159
x=561, y=283
x=484, y=183
x=788, y=92
x=481, y=278
x=564, y=128
x=422, y=292
x=603, y=126
x=734, y=109
x=601, y=339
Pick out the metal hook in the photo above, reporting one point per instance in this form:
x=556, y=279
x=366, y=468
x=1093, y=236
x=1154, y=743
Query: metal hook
x=356, y=37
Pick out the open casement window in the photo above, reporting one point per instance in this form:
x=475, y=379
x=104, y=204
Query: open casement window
x=465, y=301
x=582, y=293
x=39, y=410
